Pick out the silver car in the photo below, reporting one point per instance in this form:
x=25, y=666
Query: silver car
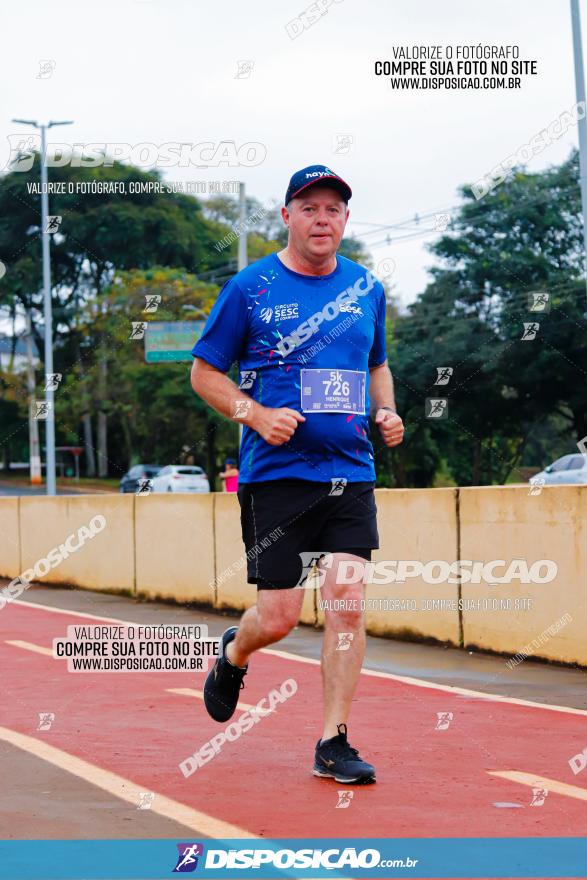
x=568, y=469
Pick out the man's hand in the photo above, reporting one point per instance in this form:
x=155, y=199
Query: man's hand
x=276, y=426
x=390, y=426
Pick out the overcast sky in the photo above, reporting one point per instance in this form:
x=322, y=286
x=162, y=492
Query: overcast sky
x=137, y=71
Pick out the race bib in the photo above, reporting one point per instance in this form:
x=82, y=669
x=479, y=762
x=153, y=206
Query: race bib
x=340, y=391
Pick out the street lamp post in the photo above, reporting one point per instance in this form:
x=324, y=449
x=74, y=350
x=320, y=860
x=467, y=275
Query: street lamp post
x=48, y=310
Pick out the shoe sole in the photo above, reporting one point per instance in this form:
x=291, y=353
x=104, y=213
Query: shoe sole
x=355, y=780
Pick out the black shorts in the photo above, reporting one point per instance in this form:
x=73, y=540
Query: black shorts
x=288, y=524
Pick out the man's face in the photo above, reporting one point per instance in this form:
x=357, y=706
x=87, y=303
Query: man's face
x=316, y=220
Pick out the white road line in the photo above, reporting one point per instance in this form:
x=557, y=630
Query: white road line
x=535, y=781
x=417, y=682
x=79, y=613
x=28, y=646
x=124, y=789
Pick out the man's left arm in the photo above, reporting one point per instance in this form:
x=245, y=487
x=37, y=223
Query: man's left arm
x=383, y=405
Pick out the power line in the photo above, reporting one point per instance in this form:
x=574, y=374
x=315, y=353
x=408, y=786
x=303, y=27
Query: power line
x=467, y=211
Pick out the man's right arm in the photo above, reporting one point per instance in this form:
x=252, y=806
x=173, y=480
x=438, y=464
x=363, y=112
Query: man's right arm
x=276, y=426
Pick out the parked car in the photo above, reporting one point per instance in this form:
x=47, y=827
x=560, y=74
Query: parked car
x=568, y=469
x=137, y=475
x=181, y=478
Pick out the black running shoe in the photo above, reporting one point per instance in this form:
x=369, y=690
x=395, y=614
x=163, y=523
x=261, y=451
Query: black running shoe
x=337, y=759
x=224, y=682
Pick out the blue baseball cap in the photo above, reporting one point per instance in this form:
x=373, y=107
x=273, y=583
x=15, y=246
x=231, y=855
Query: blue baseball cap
x=312, y=175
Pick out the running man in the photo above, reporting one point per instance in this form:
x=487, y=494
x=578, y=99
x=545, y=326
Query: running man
x=307, y=328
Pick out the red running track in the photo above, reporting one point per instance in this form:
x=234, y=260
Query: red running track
x=430, y=783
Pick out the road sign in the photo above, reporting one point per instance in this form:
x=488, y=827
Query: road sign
x=171, y=341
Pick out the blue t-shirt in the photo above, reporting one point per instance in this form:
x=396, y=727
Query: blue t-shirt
x=282, y=328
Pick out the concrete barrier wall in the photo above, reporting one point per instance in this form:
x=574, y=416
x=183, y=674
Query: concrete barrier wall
x=174, y=547
x=9, y=537
x=414, y=524
x=104, y=562
x=189, y=548
x=507, y=523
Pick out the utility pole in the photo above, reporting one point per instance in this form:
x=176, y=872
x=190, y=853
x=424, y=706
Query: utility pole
x=581, y=123
x=48, y=309
x=102, y=417
x=34, y=454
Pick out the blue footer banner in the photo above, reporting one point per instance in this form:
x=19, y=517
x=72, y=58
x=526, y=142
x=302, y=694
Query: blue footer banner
x=548, y=857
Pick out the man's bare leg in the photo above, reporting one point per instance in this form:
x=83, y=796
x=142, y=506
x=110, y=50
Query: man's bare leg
x=271, y=619
x=341, y=669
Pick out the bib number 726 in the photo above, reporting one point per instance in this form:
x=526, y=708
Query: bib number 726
x=336, y=385
x=324, y=390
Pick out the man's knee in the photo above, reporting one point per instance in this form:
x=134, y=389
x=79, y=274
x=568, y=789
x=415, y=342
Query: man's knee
x=276, y=623
x=344, y=607
x=277, y=628
x=343, y=620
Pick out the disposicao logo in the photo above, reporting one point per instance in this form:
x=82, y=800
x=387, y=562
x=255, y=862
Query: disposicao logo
x=187, y=860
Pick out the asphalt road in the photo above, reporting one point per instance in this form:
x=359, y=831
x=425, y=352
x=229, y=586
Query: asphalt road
x=14, y=490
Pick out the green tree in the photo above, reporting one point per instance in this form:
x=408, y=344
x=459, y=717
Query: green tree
x=523, y=237
x=151, y=410
x=100, y=234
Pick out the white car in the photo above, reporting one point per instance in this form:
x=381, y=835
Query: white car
x=568, y=469
x=180, y=478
